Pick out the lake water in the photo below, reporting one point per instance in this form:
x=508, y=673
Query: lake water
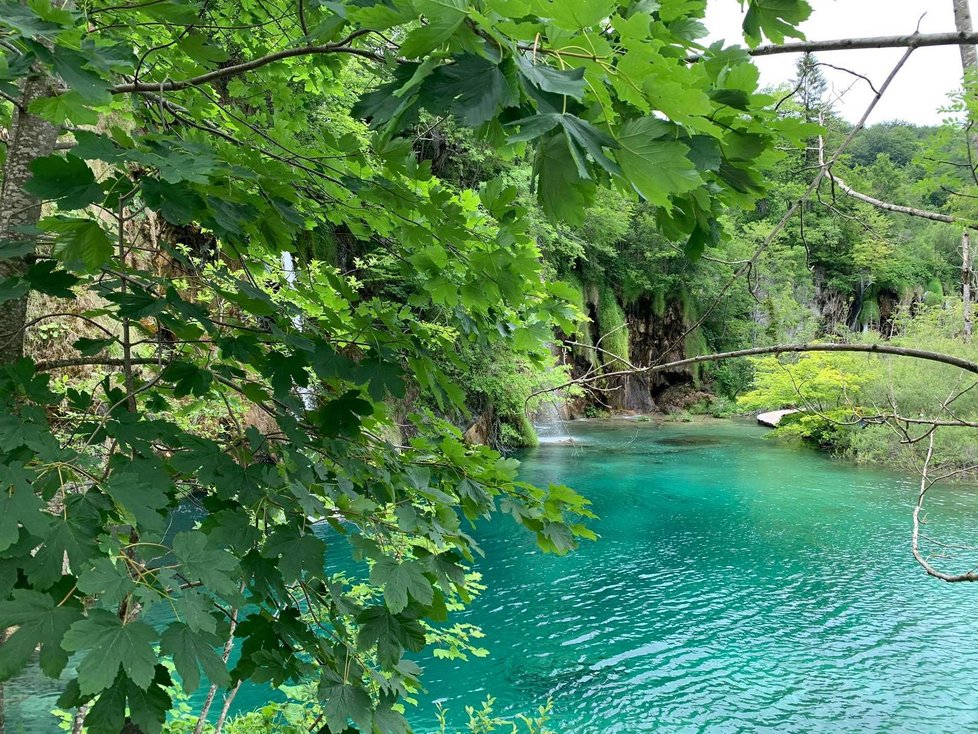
x=738, y=585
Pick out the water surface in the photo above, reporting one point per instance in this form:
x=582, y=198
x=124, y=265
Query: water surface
x=738, y=586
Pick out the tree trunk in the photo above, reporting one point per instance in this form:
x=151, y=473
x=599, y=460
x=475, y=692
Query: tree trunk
x=962, y=22
x=30, y=137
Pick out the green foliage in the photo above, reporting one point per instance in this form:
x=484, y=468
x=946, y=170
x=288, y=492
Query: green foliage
x=815, y=381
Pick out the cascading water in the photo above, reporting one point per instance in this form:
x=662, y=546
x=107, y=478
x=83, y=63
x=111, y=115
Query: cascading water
x=549, y=425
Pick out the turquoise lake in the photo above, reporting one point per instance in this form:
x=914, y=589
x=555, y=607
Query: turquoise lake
x=739, y=585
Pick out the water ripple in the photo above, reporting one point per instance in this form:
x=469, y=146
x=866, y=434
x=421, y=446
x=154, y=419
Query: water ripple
x=738, y=587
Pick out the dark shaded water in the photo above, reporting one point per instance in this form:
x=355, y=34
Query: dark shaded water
x=738, y=586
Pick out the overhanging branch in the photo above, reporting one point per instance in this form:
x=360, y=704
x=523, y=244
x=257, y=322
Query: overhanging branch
x=913, y=40
x=948, y=359
x=923, y=354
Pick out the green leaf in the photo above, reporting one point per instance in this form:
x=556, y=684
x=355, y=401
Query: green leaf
x=108, y=713
x=444, y=18
x=574, y=15
x=40, y=624
x=25, y=21
x=188, y=379
x=90, y=347
x=10, y=249
x=568, y=82
x=80, y=243
x=533, y=127
x=108, y=645
x=774, y=19
x=178, y=203
x=70, y=65
x=72, y=533
x=108, y=581
x=472, y=89
x=591, y=139
x=192, y=650
x=143, y=488
x=400, y=581
x=390, y=633
x=736, y=98
x=62, y=108
x=13, y=288
x=298, y=553
x=196, y=611
x=45, y=277
x=19, y=505
x=93, y=146
x=389, y=721
x=146, y=708
x=653, y=162
x=64, y=179
x=561, y=191
x=137, y=303
x=216, y=569
x=202, y=50
x=344, y=702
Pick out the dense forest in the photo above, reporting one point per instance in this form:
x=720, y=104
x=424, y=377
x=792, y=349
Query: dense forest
x=292, y=267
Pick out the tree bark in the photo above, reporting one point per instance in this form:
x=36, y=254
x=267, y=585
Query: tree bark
x=31, y=137
x=962, y=21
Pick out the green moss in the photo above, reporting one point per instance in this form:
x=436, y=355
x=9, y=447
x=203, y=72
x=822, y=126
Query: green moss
x=659, y=302
x=934, y=295
x=517, y=432
x=869, y=313
x=613, y=329
x=582, y=334
x=694, y=343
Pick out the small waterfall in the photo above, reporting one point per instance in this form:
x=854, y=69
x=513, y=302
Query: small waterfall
x=288, y=265
x=549, y=425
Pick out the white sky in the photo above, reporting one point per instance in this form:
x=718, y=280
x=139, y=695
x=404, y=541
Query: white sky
x=916, y=95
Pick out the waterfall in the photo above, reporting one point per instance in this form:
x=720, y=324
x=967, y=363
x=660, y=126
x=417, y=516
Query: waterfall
x=288, y=265
x=548, y=423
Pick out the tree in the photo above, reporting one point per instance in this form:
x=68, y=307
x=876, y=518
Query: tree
x=811, y=87
x=162, y=161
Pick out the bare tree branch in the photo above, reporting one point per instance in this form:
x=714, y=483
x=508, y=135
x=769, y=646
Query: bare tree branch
x=897, y=208
x=915, y=537
x=914, y=40
x=947, y=359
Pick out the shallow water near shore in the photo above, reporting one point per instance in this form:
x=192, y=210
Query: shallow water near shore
x=738, y=585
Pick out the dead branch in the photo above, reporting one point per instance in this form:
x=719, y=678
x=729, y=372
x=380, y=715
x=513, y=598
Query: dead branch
x=918, y=508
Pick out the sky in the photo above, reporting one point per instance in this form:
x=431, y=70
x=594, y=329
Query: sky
x=916, y=95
